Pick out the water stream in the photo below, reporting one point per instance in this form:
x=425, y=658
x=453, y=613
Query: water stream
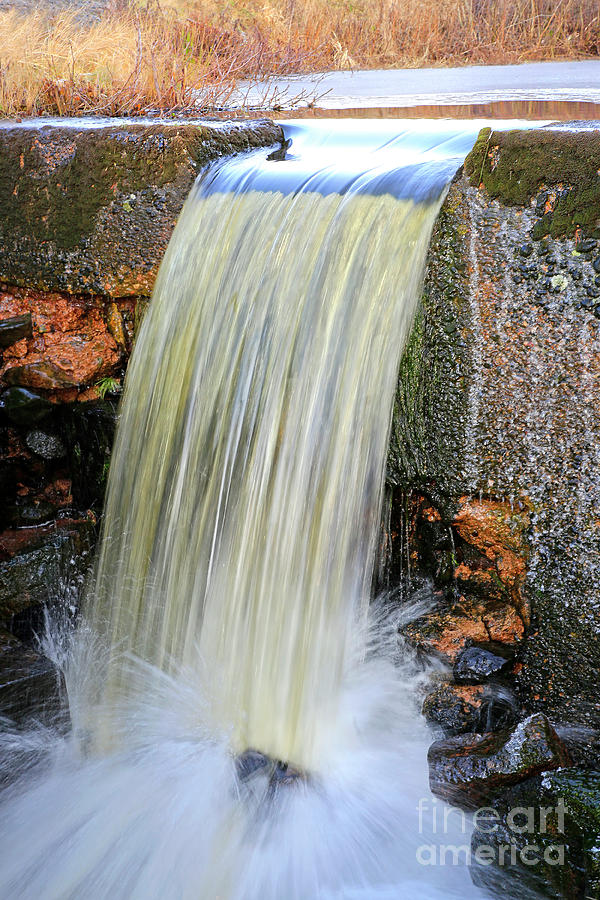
x=230, y=605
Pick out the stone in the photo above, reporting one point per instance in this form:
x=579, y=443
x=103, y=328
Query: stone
x=495, y=414
x=114, y=322
x=545, y=833
x=471, y=769
x=46, y=445
x=477, y=664
x=498, y=532
x=30, y=513
x=447, y=631
x=30, y=685
x=250, y=763
x=278, y=774
x=456, y=709
x=33, y=578
x=587, y=245
x=24, y=407
x=15, y=329
x=41, y=374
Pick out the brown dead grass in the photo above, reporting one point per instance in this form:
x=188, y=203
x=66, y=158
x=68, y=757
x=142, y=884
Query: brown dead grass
x=140, y=57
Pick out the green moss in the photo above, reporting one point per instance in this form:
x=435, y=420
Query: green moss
x=580, y=790
x=430, y=403
x=90, y=210
x=514, y=166
x=56, y=183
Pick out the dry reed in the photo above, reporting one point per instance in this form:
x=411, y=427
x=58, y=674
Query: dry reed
x=189, y=54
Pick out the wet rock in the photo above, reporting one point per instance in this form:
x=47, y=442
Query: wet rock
x=587, y=245
x=543, y=836
x=596, y=264
x=285, y=773
x=30, y=512
x=498, y=532
x=34, y=577
x=501, y=409
x=39, y=375
x=68, y=220
x=453, y=708
x=30, y=685
x=46, y=445
x=448, y=631
x=582, y=743
x=470, y=770
x=24, y=407
x=477, y=664
x=251, y=762
x=15, y=329
x=88, y=433
x=114, y=321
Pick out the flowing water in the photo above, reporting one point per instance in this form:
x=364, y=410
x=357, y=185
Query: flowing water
x=229, y=609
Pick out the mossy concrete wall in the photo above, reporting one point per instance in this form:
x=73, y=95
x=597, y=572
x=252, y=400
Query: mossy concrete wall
x=90, y=209
x=498, y=405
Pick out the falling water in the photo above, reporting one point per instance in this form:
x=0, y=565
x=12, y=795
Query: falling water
x=229, y=606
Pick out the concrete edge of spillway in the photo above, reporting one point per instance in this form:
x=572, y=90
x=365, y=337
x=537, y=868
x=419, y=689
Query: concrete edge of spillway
x=89, y=207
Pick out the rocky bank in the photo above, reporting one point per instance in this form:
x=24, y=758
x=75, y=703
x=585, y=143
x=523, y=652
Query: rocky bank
x=494, y=489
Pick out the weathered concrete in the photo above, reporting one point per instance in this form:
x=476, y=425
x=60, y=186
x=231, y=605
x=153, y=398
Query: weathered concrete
x=91, y=209
x=497, y=420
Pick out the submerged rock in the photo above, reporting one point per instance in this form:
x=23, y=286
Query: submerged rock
x=470, y=769
x=252, y=763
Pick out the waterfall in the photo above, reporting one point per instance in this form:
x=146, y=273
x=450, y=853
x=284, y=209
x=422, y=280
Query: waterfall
x=229, y=609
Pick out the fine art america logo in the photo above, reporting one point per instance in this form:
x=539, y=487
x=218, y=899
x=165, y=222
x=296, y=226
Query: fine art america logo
x=525, y=834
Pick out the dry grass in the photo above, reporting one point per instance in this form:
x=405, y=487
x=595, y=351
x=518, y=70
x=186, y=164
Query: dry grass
x=139, y=57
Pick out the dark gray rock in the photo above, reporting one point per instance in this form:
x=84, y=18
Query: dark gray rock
x=543, y=838
x=30, y=685
x=454, y=709
x=46, y=445
x=477, y=664
x=24, y=407
x=36, y=577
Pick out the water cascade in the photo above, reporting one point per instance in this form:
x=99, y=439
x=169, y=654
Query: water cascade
x=229, y=609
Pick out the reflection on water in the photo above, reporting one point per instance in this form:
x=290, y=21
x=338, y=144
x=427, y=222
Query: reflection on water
x=558, y=110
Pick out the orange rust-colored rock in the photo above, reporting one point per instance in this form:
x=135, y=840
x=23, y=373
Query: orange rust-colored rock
x=20, y=540
x=447, y=632
x=73, y=343
x=498, y=532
